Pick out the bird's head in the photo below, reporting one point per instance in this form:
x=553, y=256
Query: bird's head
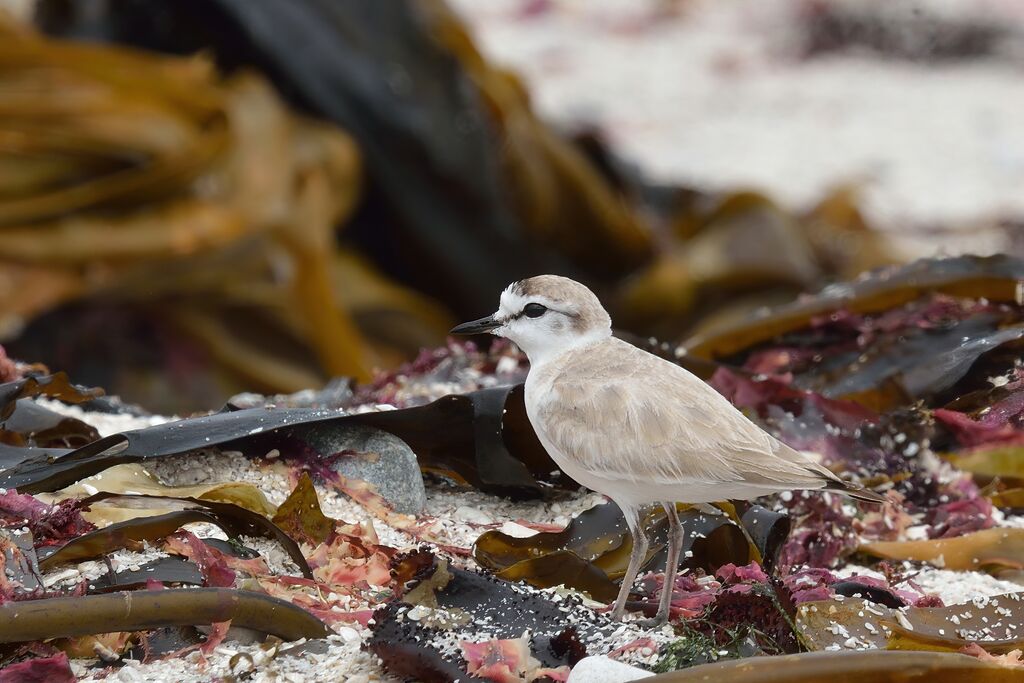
x=545, y=316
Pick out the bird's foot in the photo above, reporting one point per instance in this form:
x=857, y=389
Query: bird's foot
x=656, y=622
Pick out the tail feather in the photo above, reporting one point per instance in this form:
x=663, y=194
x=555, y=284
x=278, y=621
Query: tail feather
x=834, y=483
x=856, y=492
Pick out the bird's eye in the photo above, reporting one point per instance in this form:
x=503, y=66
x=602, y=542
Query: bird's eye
x=534, y=310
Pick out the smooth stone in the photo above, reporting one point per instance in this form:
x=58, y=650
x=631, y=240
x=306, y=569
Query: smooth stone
x=377, y=457
x=601, y=669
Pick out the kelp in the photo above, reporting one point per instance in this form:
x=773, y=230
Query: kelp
x=920, y=351
x=990, y=622
x=593, y=551
x=407, y=635
x=994, y=278
x=30, y=424
x=142, y=610
x=136, y=479
x=855, y=667
x=482, y=438
x=1003, y=462
x=233, y=519
x=13, y=455
x=300, y=515
x=56, y=386
x=992, y=549
x=404, y=654
x=138, y=168
x=173, y=571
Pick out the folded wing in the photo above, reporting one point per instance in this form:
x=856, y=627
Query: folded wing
x=628, y=415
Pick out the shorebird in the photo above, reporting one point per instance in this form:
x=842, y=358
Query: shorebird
x=636, y=427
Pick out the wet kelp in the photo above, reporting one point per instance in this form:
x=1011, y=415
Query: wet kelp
x=994, y=278
x=482, y=438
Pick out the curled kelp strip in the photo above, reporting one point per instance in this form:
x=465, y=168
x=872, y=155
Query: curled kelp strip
x=136, y=479
x=170, y=571
x=30, y=424
x=25, y=423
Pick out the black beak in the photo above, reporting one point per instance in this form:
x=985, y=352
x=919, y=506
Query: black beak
x=477, y=326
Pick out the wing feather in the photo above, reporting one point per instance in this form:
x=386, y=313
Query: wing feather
x=624, y=414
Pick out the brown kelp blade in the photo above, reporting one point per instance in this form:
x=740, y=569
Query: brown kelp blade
x=871, y=666
x=234, y=519
x=301, y=517
x=856, y=623
x=142, y=610
x=136, y=479
x=56, y=386
x=929, y=346
x=490, y=607
x=170, y=570
x=30, y=424
x=999, y=548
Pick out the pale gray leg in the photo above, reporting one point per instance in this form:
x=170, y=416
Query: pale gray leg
x=635, y=559
x=675, y=546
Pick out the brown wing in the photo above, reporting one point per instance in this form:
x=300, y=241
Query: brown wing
x=625, y=414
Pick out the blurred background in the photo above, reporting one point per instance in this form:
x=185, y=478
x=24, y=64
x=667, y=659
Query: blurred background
x=202, y=197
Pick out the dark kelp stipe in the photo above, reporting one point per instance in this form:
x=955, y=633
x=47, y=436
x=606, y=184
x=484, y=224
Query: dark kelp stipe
x=141, y=610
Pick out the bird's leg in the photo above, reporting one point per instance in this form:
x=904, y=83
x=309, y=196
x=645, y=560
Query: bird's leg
x=675, y=546
x=636, y=557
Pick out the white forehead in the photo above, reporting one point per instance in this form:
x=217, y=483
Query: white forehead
x=513, y=300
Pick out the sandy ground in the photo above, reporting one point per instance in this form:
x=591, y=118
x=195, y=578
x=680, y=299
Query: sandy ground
x=459, y=515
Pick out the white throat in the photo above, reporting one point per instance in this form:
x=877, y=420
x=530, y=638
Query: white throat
x=542, y=353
